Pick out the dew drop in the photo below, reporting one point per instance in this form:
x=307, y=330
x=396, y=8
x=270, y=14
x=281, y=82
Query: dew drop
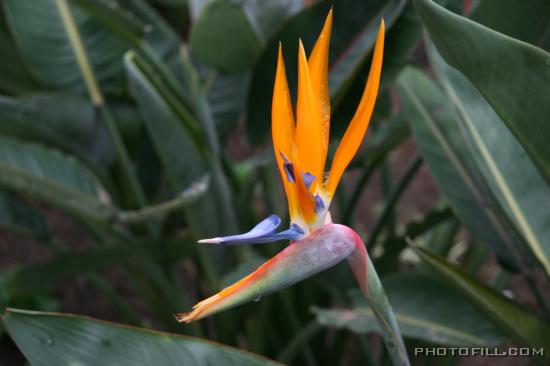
x=44, y=338
x=257, y=299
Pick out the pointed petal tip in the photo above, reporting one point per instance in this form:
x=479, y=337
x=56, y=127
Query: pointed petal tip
x=329, y=15
x=183, y=317
x=211, y=241
x=300, y=45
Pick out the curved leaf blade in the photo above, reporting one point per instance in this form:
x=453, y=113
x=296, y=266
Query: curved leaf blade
x=527, y=21
x=209, y=37
x=173, y=141
x=60, y=339
x=440, y=141
x=65, y=121
x=425, y=308
x=516, y=86
x=524, y=327
x=43, y=40
x=52, y=177
x=509, y=172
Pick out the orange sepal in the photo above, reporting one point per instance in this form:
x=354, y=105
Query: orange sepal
x=318, y=70
x=305, y=198
x=308, y=138
x=356, y=130
x=282, y=130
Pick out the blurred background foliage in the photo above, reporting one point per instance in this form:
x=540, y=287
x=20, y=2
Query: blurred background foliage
x=131, y=128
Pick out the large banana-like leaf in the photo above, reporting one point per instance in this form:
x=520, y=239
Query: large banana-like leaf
x=509, y=172
x=43, y=30
x=425, y=308
x=64, y=121
x=14, y=74
x=52, y=177
x=434, y=124
x=250, y=24
x=516, y=86
x=180, y=153
x=524, y=327
x=524, y=20
x=59, y=339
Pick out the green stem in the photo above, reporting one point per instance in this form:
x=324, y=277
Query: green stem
x=393, y=198
x=381, y=307
x=356, y=194
x=98, y=100
x=164, y=208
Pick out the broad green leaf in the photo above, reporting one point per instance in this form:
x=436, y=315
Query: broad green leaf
x=64, y=121
x=231, y=35
x=434, y=124
x=510, y=173
x=353, y=35
x=227, y=100
x=17, y=216
x=267, y=16
x=181, y=155
x=400, y=42
x=527, y=21
x=14, y=74
x=42, y=35
x=512, y=76
x=137, y=24
x=58, y=339
x=162, y=38
x=520, y=324
x=425, y=308
x=223, y=37
x=52, y=177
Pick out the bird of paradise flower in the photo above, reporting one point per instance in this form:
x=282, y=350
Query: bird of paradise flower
x=301, y=150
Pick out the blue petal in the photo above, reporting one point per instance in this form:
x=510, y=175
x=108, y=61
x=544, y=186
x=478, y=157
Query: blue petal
x=308, y=179
x=319, y=204
x=288, y=167
x=264, y=232
x=265, y=227
x=295, y=232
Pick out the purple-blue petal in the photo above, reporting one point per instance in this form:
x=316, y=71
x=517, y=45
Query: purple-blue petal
x=319, y=204
x=264, y=232
x=265, y=227
x=308, y=179
x=289, y=168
